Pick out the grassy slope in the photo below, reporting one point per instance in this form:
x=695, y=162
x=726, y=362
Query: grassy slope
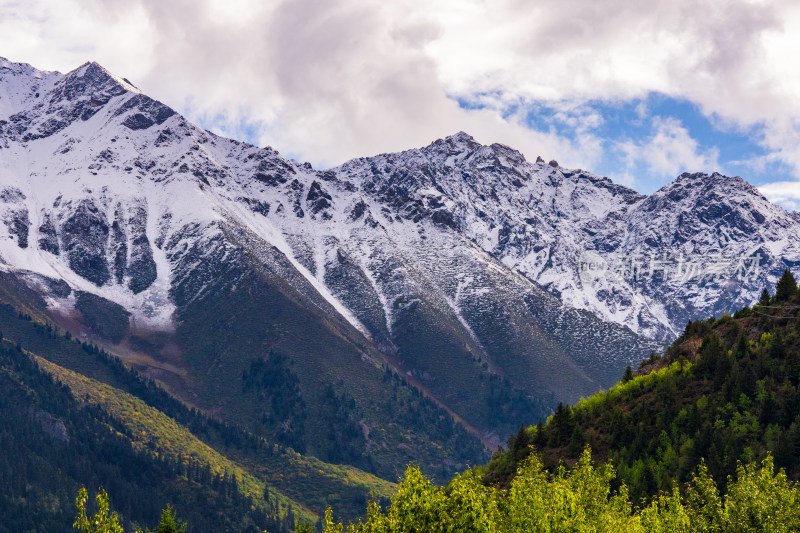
x=149, y=429
x=295, y=479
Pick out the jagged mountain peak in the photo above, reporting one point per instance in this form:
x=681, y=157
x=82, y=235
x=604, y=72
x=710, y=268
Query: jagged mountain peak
x=7, y=64
x=717, y=197
x=36, y=104
x=709, y=181
x=94, y=77
x=92, y=70
x=722, y=188
x=461, y=145
x=21, y=68
x=460, y=137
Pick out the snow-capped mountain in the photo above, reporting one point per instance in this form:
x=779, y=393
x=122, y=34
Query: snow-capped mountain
x=457, y=265
x=106, y=192
x=696, y=248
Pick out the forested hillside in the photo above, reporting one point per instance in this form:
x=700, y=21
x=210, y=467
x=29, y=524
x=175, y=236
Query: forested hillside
x=94, y=422
x=725, y=391
x=705, y=438
x=54, y=443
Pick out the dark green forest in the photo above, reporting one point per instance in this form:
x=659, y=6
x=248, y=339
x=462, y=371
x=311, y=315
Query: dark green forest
x=53, y=444
x=725, y=392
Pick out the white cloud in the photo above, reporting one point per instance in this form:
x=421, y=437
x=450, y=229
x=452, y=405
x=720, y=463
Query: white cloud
x=327, y=80
x=323, y=80
x=785, y=193
x=669, y=151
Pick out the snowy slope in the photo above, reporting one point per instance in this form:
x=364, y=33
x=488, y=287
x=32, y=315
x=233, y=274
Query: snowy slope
x=88, y=151
x=429, y=261
x=539, y=219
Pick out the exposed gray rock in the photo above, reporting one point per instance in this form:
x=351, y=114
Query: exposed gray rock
x=147, y=112
x=84, y=236
x=142, y=267
x=119, y=245
x=52, y=426
x=48, y=237
x=18, y=224
x=142, y=270
x=318, y=200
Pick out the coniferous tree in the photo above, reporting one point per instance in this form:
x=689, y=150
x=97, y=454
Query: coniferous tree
x=518, y=446
x=539, y=439
x=786, y=288
x=765, y=298
x=169, y=524
x=628, y=375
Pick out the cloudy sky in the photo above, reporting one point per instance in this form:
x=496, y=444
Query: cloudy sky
x=638, y=91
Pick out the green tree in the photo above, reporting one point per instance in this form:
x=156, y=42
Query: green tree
x=519, y=446
x=765, y=298
x=786, y=288
x=169, y=523
x=628, y=374
x=584, y=498
x=762, y=500
x=704, y=502
x=102, y=521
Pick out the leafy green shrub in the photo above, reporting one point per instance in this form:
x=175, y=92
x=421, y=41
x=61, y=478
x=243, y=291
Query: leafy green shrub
x=584, y=498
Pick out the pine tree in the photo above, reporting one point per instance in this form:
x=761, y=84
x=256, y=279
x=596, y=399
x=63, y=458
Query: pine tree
x=765, y=297
x=169, y=524
x=539, y=438
x=290, y=518
x=628, y=375
x=786, y=288
x=519, y=445
x=562, y=426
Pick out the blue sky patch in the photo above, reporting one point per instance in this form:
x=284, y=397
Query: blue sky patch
x=648, y=142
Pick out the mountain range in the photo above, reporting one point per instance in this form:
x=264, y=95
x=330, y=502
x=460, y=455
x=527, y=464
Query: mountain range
x=426, y=301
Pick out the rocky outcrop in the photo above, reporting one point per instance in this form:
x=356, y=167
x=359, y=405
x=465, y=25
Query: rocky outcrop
x=84, y=237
